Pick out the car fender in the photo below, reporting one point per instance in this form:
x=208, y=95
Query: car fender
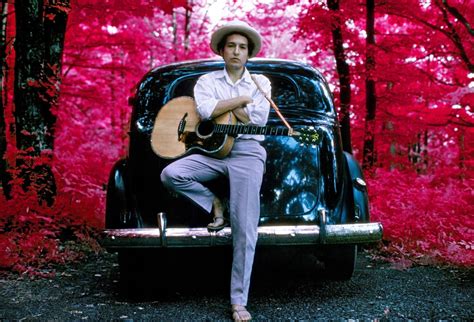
x=121, y=211
x=358, y=187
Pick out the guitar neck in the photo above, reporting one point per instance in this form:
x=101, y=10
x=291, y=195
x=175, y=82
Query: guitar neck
x=250, y=129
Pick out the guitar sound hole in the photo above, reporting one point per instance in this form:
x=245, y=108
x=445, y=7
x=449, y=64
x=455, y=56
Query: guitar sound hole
x=205, y=129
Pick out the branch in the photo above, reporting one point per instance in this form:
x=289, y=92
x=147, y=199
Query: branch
x=454, y=36
x=451, y=34
x=433, y=78
x=458, y=16
x=461, y=122
x=204, y=19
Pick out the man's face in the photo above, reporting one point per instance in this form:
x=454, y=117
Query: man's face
x=235, y=51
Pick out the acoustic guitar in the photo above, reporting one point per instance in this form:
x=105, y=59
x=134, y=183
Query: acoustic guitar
x=178, y=131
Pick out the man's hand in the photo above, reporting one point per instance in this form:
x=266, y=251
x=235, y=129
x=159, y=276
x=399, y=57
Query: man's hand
x=245, y=100
x=239, y=112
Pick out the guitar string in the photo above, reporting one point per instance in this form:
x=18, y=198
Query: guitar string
x=250, y=129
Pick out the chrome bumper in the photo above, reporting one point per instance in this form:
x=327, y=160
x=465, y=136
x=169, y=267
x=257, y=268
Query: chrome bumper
x=359, y=233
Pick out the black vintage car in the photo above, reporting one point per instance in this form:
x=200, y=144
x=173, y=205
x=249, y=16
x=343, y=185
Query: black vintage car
x=312, y=194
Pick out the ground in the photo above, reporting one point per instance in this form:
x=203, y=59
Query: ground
x=288, y=286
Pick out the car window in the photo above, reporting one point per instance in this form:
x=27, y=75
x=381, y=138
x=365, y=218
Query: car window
x=184, y=86
x=295, y=95
x=299, y=97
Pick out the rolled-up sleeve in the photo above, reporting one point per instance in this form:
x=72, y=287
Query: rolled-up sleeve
x=259, y=109
x=205, y=97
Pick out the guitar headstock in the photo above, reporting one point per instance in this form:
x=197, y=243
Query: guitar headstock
x=308, y=135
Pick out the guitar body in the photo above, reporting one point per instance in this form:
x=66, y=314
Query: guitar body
x=178, y=131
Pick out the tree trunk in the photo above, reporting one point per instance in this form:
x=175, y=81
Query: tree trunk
x=344, y=79
x=55, y=21
x=462, y=154
x=187, y=27
x=5, y=176
x=39, y=45
x=175, y=35
x=369, y=136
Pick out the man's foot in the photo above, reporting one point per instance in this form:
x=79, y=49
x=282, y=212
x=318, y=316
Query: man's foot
x=240, y=313
x=219, y=221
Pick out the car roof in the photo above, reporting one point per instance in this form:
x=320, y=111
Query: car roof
x=274, y=65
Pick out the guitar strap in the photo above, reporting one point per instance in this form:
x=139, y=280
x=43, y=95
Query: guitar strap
x=272, y=104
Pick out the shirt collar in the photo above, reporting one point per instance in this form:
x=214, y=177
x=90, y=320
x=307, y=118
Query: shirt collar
x=245, y=77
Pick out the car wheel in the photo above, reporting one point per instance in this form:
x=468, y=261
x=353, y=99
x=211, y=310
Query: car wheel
x=339, y=261
x=141, y=271
x=132, y=268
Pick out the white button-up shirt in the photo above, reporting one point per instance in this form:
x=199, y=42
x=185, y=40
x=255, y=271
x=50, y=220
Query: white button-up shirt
x=215, y=86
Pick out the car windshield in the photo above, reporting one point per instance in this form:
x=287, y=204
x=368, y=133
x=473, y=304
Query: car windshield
x=299, y=98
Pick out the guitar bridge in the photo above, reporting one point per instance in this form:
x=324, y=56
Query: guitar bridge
x=181, y=127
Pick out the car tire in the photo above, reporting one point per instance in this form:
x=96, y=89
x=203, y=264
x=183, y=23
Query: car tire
x=141, y=271
x=132, y=271
x=339, y=262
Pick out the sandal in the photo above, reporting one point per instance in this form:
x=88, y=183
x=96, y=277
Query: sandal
x=218, y=224
x=240, y=313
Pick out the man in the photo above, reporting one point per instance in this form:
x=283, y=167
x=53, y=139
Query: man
x=230, y=90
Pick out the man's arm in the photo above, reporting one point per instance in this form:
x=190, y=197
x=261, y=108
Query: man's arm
x=241, y=115
x=236, y=105
x=259, y=109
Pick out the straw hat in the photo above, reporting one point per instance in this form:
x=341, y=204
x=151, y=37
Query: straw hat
x=239, y=27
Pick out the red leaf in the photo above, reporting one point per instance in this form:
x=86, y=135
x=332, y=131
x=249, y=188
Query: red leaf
x=33, y=83
x=168, y=5
x=51, y=16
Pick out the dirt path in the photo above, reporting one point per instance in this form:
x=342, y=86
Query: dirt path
x=281, y=289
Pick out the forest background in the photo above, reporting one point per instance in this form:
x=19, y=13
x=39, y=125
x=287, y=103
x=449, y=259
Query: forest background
x=402, y=72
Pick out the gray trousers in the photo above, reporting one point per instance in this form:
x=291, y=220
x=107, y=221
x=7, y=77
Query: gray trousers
x=244, y=167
